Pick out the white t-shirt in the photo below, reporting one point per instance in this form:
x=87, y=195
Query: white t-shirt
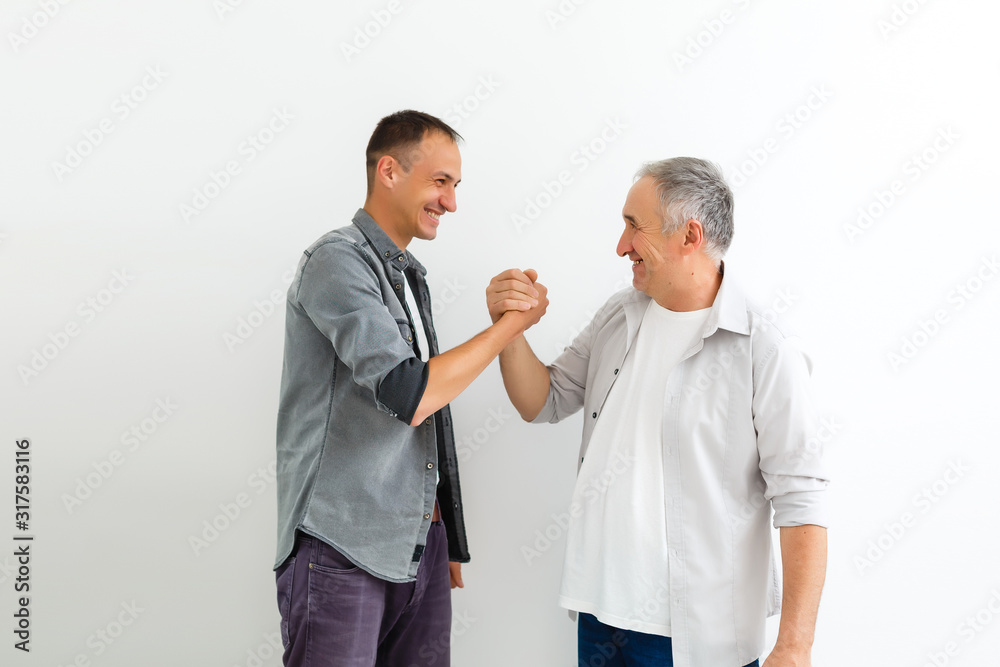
x=616, y=545
x=419, y=337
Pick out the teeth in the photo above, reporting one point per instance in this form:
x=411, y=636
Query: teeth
x=436, y=216
x=635, y=262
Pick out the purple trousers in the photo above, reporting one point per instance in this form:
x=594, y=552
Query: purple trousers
x=334, y=614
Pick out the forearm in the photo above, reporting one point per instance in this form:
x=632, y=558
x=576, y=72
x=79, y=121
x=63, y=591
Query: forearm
x=803, y=556
x=525, y=378
x=451, y=372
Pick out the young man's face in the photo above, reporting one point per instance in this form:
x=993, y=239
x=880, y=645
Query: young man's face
x=422, y=195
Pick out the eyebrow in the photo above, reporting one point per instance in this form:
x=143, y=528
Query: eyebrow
x=630, y=218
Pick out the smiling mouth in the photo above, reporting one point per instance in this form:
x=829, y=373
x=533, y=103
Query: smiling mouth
x=436, y=217
x=636, y=262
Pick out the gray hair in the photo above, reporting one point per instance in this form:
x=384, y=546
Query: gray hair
x=692, y=188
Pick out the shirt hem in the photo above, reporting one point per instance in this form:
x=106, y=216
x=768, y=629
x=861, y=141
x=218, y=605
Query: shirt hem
x=613, y=620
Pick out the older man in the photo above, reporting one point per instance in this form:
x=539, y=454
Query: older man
x=696, y=419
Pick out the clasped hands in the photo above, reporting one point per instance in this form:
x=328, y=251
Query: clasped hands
x=517, y=294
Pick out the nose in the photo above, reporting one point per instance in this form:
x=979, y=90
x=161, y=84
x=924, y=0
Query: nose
x=625, y=242
x=449, y=201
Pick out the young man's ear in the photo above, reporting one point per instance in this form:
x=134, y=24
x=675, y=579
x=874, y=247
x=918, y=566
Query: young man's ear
x=386, y=171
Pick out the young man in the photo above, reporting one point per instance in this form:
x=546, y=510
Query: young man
x=696, y=421
x=369, y=503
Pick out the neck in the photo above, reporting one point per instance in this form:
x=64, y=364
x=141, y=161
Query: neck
x=383, y=215
x=694, y=289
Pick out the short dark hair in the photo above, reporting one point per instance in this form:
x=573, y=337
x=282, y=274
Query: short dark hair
x=397, y=134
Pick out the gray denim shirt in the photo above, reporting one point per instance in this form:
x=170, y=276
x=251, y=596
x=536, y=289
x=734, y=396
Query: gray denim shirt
x=351, y=470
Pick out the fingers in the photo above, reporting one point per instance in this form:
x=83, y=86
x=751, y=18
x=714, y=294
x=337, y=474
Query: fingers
x=455, y=572
x=513, y=287
x=514, y=290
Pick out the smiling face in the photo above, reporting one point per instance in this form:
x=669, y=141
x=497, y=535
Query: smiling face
x=419, y=197
x=656, y=259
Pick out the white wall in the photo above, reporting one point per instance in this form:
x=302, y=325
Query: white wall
x=888, y=82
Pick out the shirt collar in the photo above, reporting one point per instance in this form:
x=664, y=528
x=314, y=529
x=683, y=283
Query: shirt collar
x=729, y=310
x=388, y=252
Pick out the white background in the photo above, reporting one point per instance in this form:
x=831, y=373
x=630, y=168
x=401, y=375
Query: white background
x=528, y=85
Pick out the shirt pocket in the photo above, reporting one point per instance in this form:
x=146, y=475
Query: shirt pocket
x=405, y=332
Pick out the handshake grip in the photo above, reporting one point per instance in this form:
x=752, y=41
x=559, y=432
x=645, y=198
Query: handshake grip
x=517, y=294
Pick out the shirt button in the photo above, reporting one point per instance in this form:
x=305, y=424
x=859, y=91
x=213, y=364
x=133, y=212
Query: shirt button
x=409, y=338
x=397, y=285
x=430, y=465
x=386, y=253
x=616, y=370
x=427, y=421
x=399, y=259
x=594, y=415
x=427, y=516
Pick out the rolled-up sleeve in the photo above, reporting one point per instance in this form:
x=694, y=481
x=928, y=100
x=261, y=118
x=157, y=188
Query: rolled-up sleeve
x=785, y=418
x=567, y=383
x=339, y=291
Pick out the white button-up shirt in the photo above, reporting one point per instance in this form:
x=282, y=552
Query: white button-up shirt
x=737, y=425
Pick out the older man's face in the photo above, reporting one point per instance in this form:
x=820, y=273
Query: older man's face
x=654, y=256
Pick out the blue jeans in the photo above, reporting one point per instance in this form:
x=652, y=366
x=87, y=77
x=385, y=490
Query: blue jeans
x=600, y=645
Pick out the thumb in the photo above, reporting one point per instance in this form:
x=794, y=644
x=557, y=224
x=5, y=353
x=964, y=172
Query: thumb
x=532, y=274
